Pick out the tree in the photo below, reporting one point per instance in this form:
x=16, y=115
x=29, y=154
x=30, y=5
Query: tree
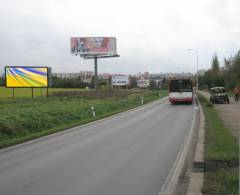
x=215, y=64
x=236, y=68
x=228, y=75
x=216, y=74
x=227, y=64
x=208, y=78
x=152, y=85
x=2, y=81
x=133, y=82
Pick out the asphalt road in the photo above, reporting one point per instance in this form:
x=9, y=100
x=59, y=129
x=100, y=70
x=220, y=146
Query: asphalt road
x=128, y=154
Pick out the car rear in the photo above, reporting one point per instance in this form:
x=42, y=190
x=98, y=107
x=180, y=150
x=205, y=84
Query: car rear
x=219, y=95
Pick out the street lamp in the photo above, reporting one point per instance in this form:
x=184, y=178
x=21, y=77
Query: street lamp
x=196, y=51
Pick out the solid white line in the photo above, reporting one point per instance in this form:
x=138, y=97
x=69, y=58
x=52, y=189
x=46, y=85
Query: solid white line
x=170, y=184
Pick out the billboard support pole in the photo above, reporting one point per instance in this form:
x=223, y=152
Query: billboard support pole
x=95, y=73
x=41, y=92
x=47, y=92
x=32, y=92
x=13, y=93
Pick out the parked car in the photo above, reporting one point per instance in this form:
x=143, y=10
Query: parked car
x=219, y=95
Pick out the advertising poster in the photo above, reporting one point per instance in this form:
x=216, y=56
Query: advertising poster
x=93, y=45
x=26, y=76
x=118, y=80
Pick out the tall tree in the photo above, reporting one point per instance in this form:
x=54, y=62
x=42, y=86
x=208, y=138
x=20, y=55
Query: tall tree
x=228, y=75
x=236, y=68
x=215, y=64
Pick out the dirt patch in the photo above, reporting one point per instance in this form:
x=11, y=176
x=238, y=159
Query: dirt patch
x=230, y=115
x=101, y=94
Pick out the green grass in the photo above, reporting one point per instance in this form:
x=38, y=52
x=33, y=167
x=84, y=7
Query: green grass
x=27, y=92
x=22, y=119
x=220, y=144
x=221, y=182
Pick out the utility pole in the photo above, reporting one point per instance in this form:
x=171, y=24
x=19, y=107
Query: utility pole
x=95, y=73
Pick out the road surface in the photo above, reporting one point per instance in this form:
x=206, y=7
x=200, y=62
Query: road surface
x=128, y=154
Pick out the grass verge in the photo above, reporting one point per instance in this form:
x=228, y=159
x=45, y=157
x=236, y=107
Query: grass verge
x=219, y=146
x=26, y=119
x=221, y=182
x=7, y=93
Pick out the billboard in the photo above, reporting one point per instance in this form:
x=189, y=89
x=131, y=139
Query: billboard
x=120, y=80
x=143, y=83
x=26, y=76
x=93, y=46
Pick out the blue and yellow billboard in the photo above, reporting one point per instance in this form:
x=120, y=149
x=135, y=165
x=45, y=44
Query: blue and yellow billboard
x=26, y=76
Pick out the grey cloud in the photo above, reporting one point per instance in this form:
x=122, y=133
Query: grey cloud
x=151, y=36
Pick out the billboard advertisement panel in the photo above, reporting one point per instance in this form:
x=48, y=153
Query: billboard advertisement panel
x=93, y=45
x=26, y=76
x=120, y=80
x=143, y=83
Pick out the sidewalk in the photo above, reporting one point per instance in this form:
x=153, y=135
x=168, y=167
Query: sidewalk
x=230, y=114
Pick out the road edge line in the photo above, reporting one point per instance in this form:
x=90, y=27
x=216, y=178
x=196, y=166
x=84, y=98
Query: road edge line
x=184, y=158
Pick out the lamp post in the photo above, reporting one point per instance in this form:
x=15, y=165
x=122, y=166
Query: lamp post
x=196, y=51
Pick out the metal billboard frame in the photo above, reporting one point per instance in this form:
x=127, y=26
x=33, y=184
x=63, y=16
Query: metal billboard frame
x=13, y=88
x=96, y=57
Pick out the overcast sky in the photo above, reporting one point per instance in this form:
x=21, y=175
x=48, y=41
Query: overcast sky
x=151, y=35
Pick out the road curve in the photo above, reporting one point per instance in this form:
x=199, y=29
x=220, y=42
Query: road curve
x=128, y=154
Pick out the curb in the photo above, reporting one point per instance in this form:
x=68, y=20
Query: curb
x=197, y=173
x=184, y=158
